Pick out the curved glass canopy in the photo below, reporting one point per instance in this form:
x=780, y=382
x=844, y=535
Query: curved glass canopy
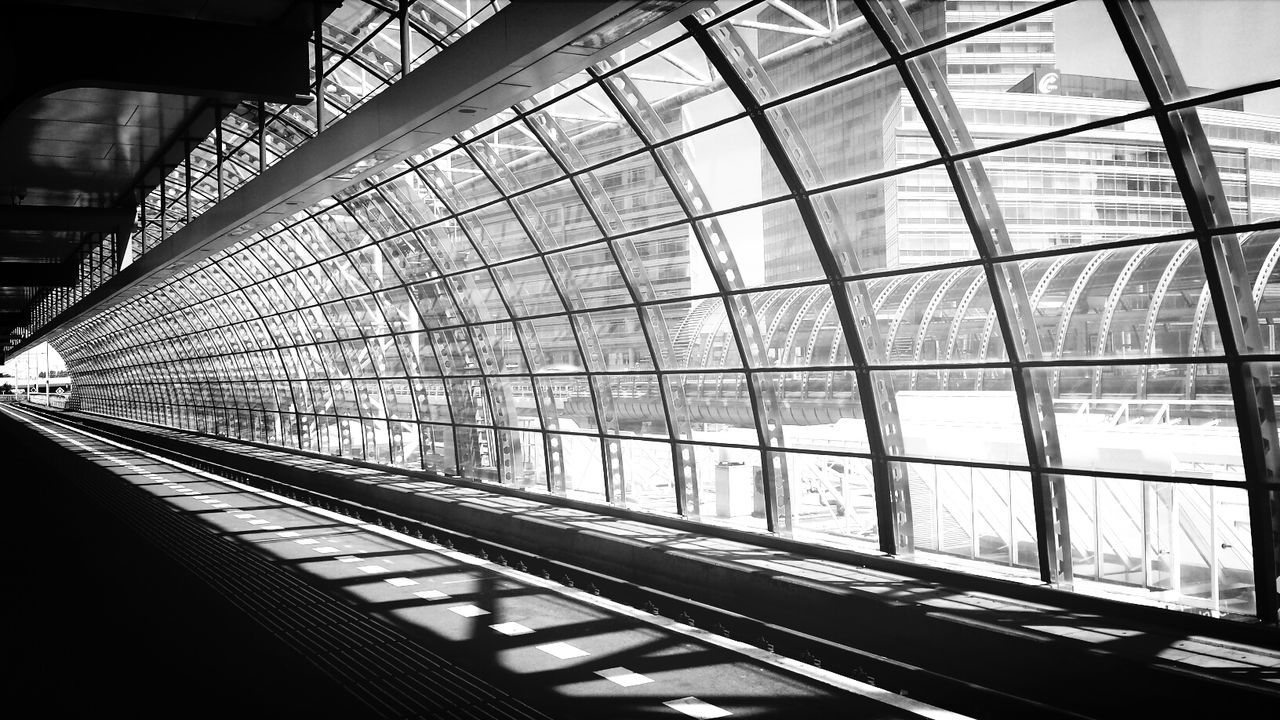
x=984, y=283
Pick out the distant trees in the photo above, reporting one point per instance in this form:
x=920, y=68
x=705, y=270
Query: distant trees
x=6, y=389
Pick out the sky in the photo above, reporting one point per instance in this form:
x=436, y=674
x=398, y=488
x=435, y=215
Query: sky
x=32, y=362
x=1205, y=36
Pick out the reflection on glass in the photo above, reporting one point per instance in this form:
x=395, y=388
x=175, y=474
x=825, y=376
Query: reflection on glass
x=611, y=293
x=981, y=424
x=1169, y=419
x=1189, y=543
x=976, y=513
x=832, y=499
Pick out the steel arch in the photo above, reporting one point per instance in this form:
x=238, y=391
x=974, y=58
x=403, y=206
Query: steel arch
x=1192, y=159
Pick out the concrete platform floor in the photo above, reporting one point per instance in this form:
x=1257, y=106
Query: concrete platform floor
x=114, y=625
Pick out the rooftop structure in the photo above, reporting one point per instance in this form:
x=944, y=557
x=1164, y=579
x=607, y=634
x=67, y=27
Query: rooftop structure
x=984, y=286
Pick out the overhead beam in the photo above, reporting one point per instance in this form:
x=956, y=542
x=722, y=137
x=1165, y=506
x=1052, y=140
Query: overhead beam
x=64, y=219
x=62, y=274
x=62, y=47
x=522, y=50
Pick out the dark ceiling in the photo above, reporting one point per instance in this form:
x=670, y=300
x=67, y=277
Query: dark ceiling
x=96, y=100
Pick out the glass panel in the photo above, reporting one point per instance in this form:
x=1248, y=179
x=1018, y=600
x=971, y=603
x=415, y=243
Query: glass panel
x=974, y=513
x=701, y=334
x=1243, y=134
x=1216, y=46
x=399, y=400
x=566, y=402
x=759, y=262
x=648, y=479
x=1145, y=301
x=832, y=499
x=939, y=316
x=1167, y=419
x=506, y=238
x=499, y=349
x=717, y=180
x=793, y=42
x=478, y=296
x=551, y=344
x=980, y=424
x=589, y=277
x=410, y=196
x=1261, y=250
x=666, y=263
x=904, y=220
x=631, y=404
x=582, y=463
x=594, y=126
x=638, y=193
x=557, y=215
x=457, y=356
x=432, y=400
x=1049, y=72
x=714, y=407
x=1178, y=543
x=850, y=131
x=529, y=288
x=683, y=89
x=457, y=179
x=819, y=410
x=520, y=152
x=435, y=305
x=726, y=483
x=1094, y=186
x=438, y=448
x=449, y=247
x=613, y=340
x=477, y=454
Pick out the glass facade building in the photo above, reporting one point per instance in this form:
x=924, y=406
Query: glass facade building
x=985, y=284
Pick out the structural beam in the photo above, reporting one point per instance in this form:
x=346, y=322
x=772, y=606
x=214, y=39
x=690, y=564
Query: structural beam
x=64, y=219
x=724, y=48
x=523, y=49
x=1226, y=283
x=62, y=47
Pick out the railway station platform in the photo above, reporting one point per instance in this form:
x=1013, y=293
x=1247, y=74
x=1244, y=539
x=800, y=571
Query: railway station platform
x=751, y=629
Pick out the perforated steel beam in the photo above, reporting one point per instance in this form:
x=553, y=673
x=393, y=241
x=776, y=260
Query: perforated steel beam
x=1153, y=312
x=962, y=311
x=631, y=266
x=725, y=48
x=926, y=83
x=1191, y=157
x=926, y=318
x=1112, y=304
x=744, y=319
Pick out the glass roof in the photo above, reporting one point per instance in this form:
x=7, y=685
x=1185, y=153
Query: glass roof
x=362, y=53
x=784, y=267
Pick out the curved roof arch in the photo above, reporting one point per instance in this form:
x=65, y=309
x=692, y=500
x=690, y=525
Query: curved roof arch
x=728, y=250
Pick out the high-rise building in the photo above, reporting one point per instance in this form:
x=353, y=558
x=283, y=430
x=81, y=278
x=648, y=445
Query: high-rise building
x=1105, y=183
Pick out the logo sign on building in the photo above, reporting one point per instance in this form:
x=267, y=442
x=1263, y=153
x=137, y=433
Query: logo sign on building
x=1047, y=82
